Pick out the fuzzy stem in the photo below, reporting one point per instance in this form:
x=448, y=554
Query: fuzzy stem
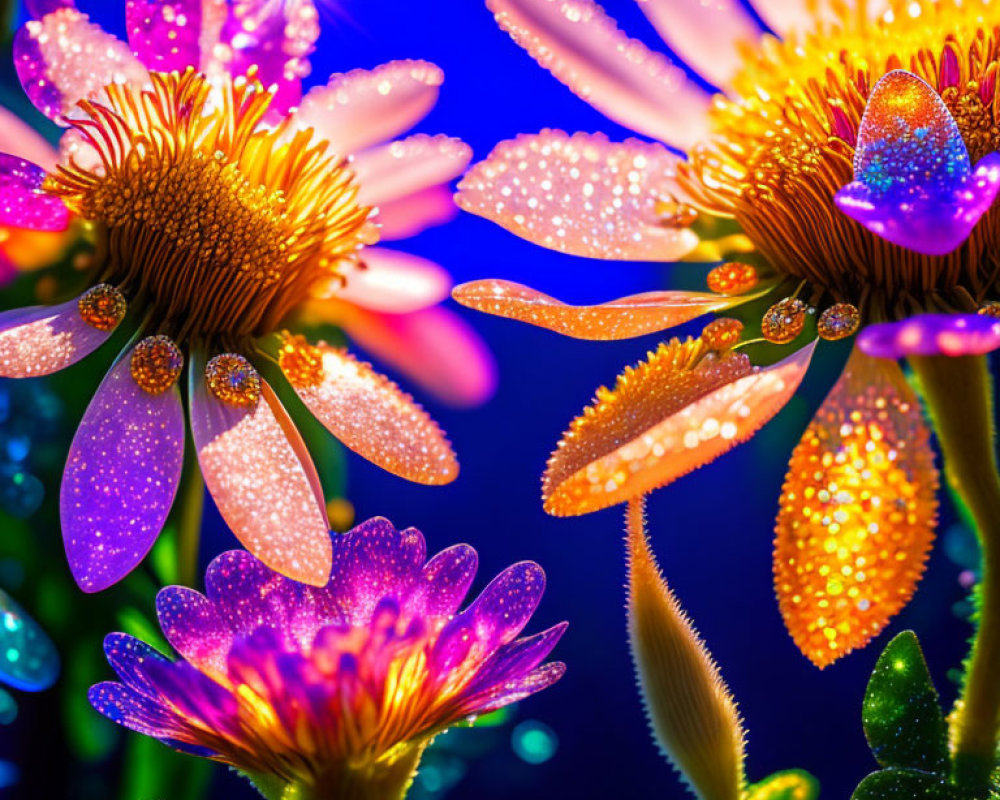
x=189, y=524
x=959, y=395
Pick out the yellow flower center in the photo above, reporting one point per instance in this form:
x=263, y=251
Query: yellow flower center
x=785, y=145
x=216, y=225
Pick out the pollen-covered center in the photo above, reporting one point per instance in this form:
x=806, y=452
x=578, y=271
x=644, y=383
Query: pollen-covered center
x=216, y=225
x=785, y=145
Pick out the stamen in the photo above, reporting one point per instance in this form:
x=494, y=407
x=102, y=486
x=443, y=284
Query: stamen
x=733, y=278
x=722, y=334
x=103, y=307
x=233, y=380
x=784, y=321
x=838, y=322
x=156, y=364
x=301, y=362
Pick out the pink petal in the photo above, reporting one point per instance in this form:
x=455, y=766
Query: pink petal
x=23, y=204
x=371, y=416
x=165, y=35
x=932, y=335
x=409, y=165
x=364, y=107
x=262, y=487
x=580, y=194
x=705, y=34
x=394, y=282
x=39, y=8
x=121, y=477
x=801, y=16
x=63, y=58
x=194, y=628
x=408, y=216
x=40, y=340
x=623, y=318
x=618, y=76
x=433, y=347
x=21, y=140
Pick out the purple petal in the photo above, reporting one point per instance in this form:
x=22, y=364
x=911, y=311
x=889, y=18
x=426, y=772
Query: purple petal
x=494, y=618
x=444, y=582
x=373, y=561
x=515, y=690
x=913, y=182
x=128, y=708
x=195, y=695
x=39, y=8
x=164, y=35
x=40, y=340
x=237, y=585
x=193, y=627
x=63, y=58
x=23, y=204
x=932, y=335
x=128, y=657
x=121, y=477
x=513, y=660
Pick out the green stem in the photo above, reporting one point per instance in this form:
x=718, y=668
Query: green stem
x=189, y=524
x=959, y=396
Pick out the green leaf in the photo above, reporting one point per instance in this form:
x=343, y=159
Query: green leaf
x=907, y=784
x=901, y=714
x=791, y=784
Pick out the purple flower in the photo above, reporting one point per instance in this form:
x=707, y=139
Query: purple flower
x=318, y=687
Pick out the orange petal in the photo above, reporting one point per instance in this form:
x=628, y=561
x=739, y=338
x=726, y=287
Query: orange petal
x=663, y=419
x=368, y=412
x=857, y=513
x=624, y=318
x=263, y=484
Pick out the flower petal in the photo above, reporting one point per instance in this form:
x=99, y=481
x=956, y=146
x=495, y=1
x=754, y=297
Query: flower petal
x=515, y=660
x=434, y=347
x=259, y=482
x=238, y=585
x=648, y=431
x=165, y=34
x=393, y=282
x=40, y=340
x=23, y=204
x=408, y=216
x=22, y=141
x=706, y=35
x=400, y=168
x=805, y=16
x=130, y=709
x=857, y=514
x=581, y=194
x=620, y=77
x=445, y=580
x=624, y=318
x=126, y=655
x=516, y=689
x=194, y=628
x=371, y=416
x=121, y=476
x=63, y=58
x=932, y=335
x=364, y=107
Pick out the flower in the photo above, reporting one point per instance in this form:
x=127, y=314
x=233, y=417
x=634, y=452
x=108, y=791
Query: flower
x=326, y=688
x=224, y=213
x=844, y=172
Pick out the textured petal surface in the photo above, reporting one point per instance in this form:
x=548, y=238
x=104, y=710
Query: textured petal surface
x=194, y=628
x=121, y=476
x=257, y=478
x=132, y=710
x=22, y=203
x=620, y=77
x=40, y=340
x=28, y=658
x=705, y=34
x=932, y=335
x=633, y=440
x=364, y=107
x=857, y=514
x=445, y=580
x=63, y=58
x=913, y=183
x=165, y=35
x=395, y=282
x=789, y=17
x=408, y=216
x=373, y=417
x=623, y=318
x=580, y=194
x=127, y=657
x=409, y=165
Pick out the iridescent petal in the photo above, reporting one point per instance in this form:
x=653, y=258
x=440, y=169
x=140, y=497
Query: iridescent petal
x=515, y=660
x=705, y=34
x=22, y=203
x=858, y=512
x=409, y=165
x=658, y=425
x=396, y=283
x=446, y=579
x=581, y=194
x=408, y=216
x=121, y=476
x=932, y=335
x=434, y=347
x=28, y=658
x=364, y=107
x=371, y=416
x=40, y=340
x=63, y=58
x=913, y=183
x=621, y=77
x=165, y=34
x=194, y=628
x=127, y=656
x=128, y=708
x=237, y=584
x=259, y=482
x=21, y=140
x=624, y=318
x=195, y=696
x=39, y=8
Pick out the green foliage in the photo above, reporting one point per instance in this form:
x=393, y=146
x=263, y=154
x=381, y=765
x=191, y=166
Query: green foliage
x=907, y=784
x=792, y=784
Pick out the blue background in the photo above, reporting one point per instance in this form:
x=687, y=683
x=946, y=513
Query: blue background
x=712, y=530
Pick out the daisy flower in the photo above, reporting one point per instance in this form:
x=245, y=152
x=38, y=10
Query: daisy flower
x=335, y=691
x=224, y=211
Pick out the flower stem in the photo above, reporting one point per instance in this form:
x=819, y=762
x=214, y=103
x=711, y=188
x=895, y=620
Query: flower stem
x=189, y=524
x=959, y=395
